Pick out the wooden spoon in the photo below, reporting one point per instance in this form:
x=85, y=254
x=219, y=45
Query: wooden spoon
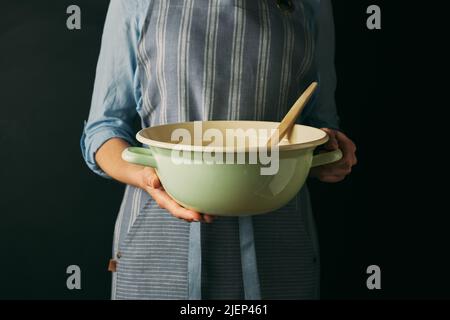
x=288, y=121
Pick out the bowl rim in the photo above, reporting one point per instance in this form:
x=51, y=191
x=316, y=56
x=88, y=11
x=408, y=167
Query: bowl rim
x=227, y=149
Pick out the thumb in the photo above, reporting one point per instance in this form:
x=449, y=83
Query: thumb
x=150, y=178
x=332, y=143
x=154, y=182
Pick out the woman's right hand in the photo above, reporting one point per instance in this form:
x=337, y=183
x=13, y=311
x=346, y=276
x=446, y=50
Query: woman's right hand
x=109, y=158
x=150, y=183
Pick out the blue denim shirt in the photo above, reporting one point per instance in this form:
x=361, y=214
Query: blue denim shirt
x=117, y=92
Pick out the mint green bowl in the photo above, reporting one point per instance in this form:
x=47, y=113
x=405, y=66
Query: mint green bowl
x=208, y=185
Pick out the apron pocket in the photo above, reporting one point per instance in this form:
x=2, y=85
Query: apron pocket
x=153, y=261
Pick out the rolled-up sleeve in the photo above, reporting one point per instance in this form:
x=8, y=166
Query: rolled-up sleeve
x=114, y=99
x=324, y=113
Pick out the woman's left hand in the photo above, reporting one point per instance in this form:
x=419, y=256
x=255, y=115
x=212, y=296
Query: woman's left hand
x=337, y=171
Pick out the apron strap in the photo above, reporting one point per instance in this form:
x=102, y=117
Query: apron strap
x=248, y=259
x=195, y=262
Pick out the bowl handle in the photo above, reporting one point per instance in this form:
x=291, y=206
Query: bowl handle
x=137, y=155
x=326, y=158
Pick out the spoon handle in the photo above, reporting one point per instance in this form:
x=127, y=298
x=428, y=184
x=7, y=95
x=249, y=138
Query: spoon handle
x=292, y=115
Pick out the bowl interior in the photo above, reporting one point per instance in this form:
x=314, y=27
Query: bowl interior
x=227, y=135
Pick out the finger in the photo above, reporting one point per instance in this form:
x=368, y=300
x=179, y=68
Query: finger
x=332, y=143
x=349, y=146
x=208, y=218
x=332, y=179
x=346, y=162
x=183, y=213
x=329, y=131
x=341, y=167
x=321, y=172
x=151, y=178
x=345, y=144
x=155, y=183
x=166, y=202
x=348, y=150
x=335, y=171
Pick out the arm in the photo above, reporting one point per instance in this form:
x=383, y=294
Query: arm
x=109, y=159
x=325, y=114
x=113, y=106
x=108, y=130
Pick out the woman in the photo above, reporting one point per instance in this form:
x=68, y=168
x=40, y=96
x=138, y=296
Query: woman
x=185, y=60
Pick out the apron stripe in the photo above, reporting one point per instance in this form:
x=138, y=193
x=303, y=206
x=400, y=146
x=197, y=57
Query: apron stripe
x=263, y=60
x=183, y=65
x=145, y=62
x=160, y=64
x=286, y=66
x=241, y=43
x=308, y=52
x=236, y=59
x=210, y=59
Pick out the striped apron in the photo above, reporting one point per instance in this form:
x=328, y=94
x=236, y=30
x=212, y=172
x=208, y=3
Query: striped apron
x=218, y=60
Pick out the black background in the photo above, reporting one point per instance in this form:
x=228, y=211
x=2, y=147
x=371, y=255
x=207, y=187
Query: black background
x=54, y=212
